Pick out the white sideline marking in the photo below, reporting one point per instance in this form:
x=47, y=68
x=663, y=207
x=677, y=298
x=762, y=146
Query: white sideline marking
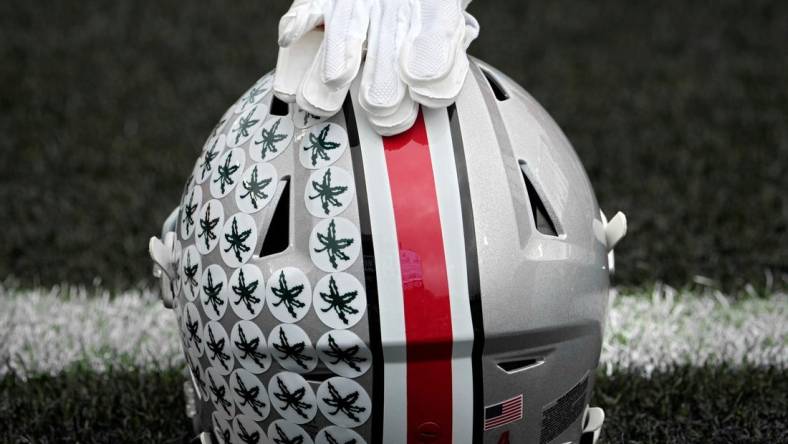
x=43, y=331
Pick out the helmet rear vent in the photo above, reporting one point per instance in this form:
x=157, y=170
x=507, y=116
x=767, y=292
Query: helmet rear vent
x=517, y=365
x=279, y=107
x=544, y=223
x=495, y=85
x=277, y=239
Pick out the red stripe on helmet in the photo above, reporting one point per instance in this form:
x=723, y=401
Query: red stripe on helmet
x=428, y=326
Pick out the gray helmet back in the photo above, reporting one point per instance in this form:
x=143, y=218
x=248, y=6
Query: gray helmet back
x=448, y=284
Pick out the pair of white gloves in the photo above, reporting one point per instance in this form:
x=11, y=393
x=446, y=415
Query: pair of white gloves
x=415, y=54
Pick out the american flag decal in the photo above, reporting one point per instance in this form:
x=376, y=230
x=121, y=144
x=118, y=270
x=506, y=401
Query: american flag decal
x=505, y=412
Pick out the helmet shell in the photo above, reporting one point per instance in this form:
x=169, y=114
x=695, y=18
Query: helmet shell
x=322, y=294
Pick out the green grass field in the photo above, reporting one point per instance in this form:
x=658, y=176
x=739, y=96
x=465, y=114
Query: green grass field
x=677, y=109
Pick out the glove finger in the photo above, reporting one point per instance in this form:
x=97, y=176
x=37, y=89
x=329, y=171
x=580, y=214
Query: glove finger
x=382, y=89
x=471, y=29
x=437, y=29
x=346, y=30
x=444, y=92
x=302, y=17
x=314, y=95
x=440, y=92
x=400, y=120
x=292, y=64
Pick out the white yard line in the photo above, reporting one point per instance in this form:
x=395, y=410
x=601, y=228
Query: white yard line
x=666, y=328
x=44, y=331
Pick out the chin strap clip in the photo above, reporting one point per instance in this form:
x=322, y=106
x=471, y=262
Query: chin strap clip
x=165, y=254
x=613, y=231
x=161, y=252
x=593, y=420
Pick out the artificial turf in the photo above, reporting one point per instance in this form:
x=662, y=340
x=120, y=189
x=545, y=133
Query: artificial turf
x=678, y=110
x=685, y=404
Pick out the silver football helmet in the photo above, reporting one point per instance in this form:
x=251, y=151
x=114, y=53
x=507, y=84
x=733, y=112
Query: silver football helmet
x=446, y=285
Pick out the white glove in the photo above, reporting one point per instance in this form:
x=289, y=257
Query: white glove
x=415, y=53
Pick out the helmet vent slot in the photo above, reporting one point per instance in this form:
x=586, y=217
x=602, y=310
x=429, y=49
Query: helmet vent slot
x=277, y=239
x=279, y=107
x=517, y=365
x=495, y=85
x=544, y=223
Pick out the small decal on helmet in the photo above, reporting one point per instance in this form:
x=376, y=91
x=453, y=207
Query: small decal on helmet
x=344, y=402
x=288, y=294
x=272, y=139
x=253, y=95
x=247, y=431
x=211, y=221
x=338, y=435
x=220, y=394
x=221, y=428
x=504, y=412
x=189, y=211
x=217, y=347
x=248, y=289
x=245, y=125
x=213, y=291
x=257, y=187
x=329, y=191
x=192, y=329
x=191, y=272
x=334, y=244
x=227, y=172
x=238, y=240
x=339, y=300
x=206, y=164
x=283, y=432
x=249, y=395
x=322, y=146
x=305, y=119
x=249, y=347
x=344, y=353
x=292, y=348
x=292, y=397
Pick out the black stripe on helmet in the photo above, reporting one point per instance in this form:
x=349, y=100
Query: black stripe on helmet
x=472, y=267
